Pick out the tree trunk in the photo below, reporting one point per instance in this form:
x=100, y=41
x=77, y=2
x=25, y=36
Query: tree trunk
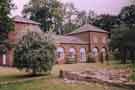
x=132, y=56
x=123, y=56
x=34, y=72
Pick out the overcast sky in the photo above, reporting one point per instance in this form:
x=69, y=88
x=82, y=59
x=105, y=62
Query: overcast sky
x=99, y=6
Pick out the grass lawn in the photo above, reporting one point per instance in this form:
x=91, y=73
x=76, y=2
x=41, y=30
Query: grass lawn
x=53, y=82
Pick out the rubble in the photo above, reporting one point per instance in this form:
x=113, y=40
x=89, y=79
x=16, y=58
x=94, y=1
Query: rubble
x=101, y=76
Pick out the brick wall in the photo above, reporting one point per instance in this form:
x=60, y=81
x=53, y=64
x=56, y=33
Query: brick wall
x=14, y=36
x=66, y=47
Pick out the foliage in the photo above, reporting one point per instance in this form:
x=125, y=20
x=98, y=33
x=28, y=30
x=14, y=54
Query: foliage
x=107, y=22
x=35, y=52
x=69, y=23
x=47, y=12
x=127, y=15
x=6, y=24
x=69, y=27
x=123, y=37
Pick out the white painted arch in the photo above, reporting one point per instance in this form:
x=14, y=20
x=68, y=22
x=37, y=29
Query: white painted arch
x=95, y=51
x=83, y=54
x=72, y=52
x=60, y=53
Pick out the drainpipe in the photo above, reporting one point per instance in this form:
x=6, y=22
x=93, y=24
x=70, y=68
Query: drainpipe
x=89, y=46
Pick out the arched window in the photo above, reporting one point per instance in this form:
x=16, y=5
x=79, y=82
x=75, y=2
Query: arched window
x=60, y=52
x=4, y=59
x=72, y=52
x=103, y=51
x=83, y=55
x=104, y=40
x=95, y=51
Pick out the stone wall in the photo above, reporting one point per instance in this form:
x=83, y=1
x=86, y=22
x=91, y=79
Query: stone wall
x=114, y=77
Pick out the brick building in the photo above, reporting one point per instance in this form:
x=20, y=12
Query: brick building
x=77, y=44
x=71, y=47
x=22, y=26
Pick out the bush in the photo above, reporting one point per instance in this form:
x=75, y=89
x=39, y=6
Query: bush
x=116, y=55
x=35, y=53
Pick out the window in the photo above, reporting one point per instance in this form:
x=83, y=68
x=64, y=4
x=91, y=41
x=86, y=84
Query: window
x=72, y=52
x=95, y=51
x=60, y=53
x=103, y=50
x=104, y=40
x=4, y=59
x=83, y=54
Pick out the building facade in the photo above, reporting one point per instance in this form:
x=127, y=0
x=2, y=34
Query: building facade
x=73, y=47
x=21, y=27
x=78, y=44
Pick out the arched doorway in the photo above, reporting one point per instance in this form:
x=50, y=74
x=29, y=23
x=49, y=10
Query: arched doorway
x=95, y=53
x=72, y=55
x=4, y=58
x=103, y=54
x=60, y=54
x=83, y=55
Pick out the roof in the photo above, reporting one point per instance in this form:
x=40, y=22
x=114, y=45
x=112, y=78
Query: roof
x=88, y=28
x=24, y=20
x=69, y=40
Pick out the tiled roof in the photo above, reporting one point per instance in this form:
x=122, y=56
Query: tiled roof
x=69, y=40
x=86, y=28
x=24, y=20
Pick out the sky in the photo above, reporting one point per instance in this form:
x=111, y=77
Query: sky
x=98, y=6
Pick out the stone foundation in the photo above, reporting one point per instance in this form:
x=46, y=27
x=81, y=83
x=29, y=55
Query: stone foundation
x=114, y=77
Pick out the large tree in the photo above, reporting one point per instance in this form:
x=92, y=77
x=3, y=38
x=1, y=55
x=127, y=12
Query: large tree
x=70, y=12
x=123, y=37
x=6, y=24
x=107, y=22
x=35, y=52
x=127, y=15
x=47, y=12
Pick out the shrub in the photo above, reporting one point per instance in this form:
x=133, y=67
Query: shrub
x=35, y=53
x=116, y=55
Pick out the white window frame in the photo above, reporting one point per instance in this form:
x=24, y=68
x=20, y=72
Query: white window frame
x=83, y=54
x=4, y=59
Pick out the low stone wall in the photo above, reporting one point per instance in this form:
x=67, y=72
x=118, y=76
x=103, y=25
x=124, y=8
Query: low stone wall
x=101, y=76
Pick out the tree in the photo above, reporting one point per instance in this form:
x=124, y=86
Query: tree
x=6, y=24
x=91, y=17
x=107, y=22
x=82, y=17
x=132, y=1
x=69, y=27
x=123, y=39
x=127, y=15
x=69, y=11
x=47, y=12
x=69, y=23
x=124, y=36
x=35, y=52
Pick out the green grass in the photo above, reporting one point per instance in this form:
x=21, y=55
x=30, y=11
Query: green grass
x=47, y=84
x=52, y=82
